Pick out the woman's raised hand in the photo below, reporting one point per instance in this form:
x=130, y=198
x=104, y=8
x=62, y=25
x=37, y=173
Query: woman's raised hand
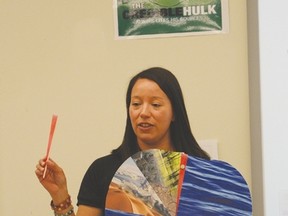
x=54, y=180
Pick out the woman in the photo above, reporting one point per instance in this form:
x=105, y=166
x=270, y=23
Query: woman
x=156, y=119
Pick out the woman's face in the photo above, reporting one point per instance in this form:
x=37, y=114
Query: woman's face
x=151, y=114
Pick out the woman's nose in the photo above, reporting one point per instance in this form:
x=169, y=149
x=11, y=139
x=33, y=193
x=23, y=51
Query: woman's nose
x=145, y=111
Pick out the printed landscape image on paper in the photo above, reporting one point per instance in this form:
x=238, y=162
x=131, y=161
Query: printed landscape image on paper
x=150, y=180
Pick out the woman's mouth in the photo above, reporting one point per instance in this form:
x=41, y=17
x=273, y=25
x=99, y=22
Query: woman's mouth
x=145, y=126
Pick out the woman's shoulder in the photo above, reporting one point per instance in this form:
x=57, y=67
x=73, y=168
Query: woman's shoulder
x=110, y=161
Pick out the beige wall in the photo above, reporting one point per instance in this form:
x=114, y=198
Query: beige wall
x=61, y=57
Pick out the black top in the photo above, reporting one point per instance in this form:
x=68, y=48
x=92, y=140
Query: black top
x=96, y=181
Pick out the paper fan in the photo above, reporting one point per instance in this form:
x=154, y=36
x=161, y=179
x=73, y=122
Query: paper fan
x=163, y=183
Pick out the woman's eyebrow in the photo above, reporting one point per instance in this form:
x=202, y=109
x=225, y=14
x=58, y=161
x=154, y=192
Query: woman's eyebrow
x=153, y=97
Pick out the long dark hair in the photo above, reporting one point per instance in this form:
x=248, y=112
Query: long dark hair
x=181, y=134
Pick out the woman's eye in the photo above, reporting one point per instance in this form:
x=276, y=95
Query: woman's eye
x=156, y=105
x=135, y=103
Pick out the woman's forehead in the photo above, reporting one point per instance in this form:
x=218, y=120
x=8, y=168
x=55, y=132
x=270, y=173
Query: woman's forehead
x=146, y=87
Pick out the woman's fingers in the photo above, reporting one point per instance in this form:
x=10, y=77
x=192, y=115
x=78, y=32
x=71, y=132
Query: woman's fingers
x=40, y=168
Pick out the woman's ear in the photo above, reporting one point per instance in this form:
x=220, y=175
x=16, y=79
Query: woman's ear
x=173, y=118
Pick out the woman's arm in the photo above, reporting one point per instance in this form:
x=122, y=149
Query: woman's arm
x=55, y=183
x=88, y=211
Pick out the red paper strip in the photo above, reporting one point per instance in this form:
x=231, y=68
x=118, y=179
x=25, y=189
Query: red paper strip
x=184, y=158
x=52, y=129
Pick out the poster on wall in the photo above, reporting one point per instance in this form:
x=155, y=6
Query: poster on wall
x=169, y=18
